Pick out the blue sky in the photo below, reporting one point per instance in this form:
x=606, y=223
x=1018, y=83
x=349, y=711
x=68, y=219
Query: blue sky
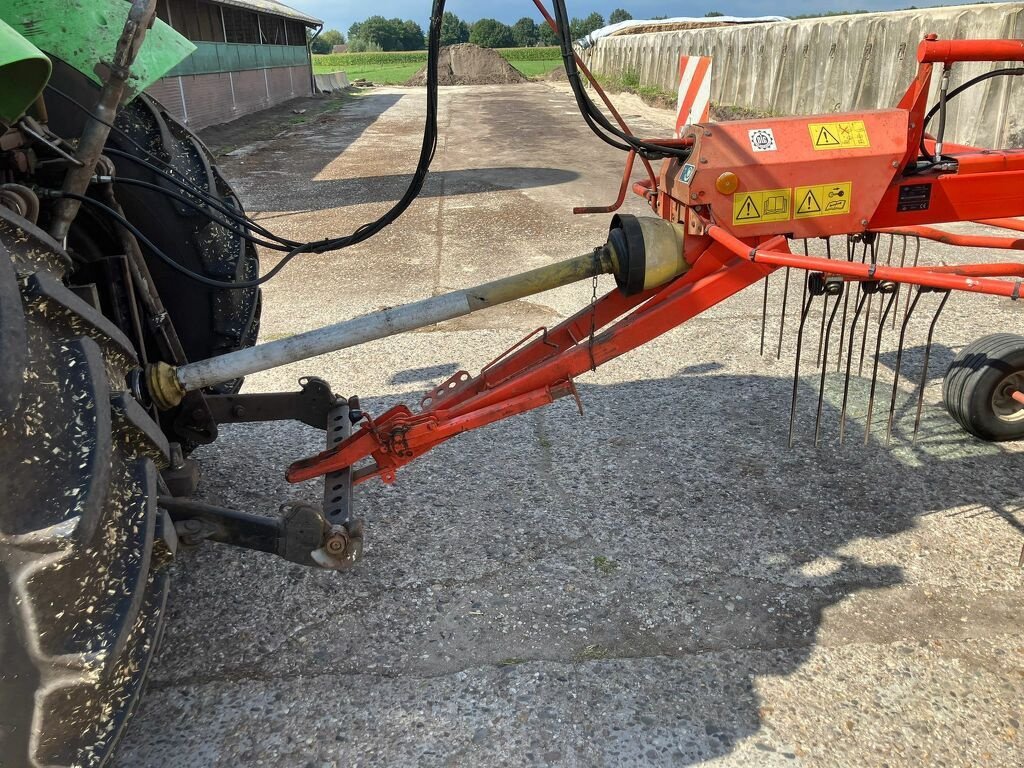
x=340, y=15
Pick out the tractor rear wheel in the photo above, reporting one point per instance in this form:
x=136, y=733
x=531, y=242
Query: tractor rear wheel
x=979, y=387
x=83, y=548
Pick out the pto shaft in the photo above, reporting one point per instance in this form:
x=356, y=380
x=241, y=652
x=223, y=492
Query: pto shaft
x=650, y=252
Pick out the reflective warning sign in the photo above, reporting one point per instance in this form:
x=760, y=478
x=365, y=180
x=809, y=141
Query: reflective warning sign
x=848, y=134
x=822, y=200
x=761, y=206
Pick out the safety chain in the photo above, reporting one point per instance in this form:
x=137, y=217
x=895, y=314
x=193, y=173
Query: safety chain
x=593, y=318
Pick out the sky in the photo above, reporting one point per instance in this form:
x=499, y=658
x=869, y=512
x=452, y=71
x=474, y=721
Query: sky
x=341, y=15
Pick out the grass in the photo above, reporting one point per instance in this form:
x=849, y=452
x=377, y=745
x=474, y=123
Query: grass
x=395, y=67
x=382, y=74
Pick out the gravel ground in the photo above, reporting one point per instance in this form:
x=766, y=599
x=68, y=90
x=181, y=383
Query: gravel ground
x=659, y=582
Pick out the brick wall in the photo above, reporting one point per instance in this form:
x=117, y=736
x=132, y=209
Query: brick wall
x=222, y=97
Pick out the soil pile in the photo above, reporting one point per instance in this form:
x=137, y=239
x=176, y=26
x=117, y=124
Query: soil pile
x=468, y=64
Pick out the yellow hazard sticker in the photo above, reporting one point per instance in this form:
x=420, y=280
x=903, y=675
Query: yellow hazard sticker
x=759, y=207
x=822, y=200
x=848, y=134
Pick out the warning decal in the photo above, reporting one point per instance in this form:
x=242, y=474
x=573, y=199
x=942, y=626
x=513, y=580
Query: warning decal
x=822, y=200
x=848, y=134
x=762, y=206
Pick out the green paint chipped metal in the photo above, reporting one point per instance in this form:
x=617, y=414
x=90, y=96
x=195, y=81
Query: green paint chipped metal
x=24, y=71
x=84, y=33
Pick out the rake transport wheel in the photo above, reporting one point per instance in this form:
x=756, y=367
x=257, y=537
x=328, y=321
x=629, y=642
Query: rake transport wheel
x=83, y=576
x=979, y=387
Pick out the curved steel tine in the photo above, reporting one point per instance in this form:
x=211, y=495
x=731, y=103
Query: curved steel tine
x=850, y=253
x=764, y=313
x=917, y=248
x=874, y=371
x=903, y=262
x=899, y=363
x=782, y=317
x=888, y=263
x=796, y=370
x=924, y=368
x=867, y=316
x=824, y=370
x=849, y=363
x=824, y=306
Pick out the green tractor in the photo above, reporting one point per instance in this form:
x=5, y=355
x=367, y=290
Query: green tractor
x=84, y=548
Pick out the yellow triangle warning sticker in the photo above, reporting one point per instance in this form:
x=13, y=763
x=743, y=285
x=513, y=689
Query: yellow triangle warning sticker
x=747, y=210
x=809, y=204
x=825, y=138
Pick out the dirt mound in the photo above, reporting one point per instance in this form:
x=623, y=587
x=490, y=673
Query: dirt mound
x=468, y=64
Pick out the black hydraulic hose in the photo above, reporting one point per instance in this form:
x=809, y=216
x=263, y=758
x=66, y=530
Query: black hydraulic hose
x=107, y=210
x=940, y=107
x=228, y=225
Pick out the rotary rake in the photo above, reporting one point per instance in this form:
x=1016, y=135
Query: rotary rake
x=734, y=204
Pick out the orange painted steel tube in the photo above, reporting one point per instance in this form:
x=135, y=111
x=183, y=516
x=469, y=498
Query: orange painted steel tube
x=951, y=238
x=939, y=280
x=950, y=51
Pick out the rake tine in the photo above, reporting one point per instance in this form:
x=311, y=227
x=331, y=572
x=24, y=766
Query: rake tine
x=917, y=250
x=924, y=369
x=782, y=318
x=764, y=313
x=899, y=363
x=874, y=371
x=833, y=287
x=888, y=263
x=824, y=306
x=903, y=261
x=867, y=316
x=796, y=370
x=864, y=292
x=850, y=253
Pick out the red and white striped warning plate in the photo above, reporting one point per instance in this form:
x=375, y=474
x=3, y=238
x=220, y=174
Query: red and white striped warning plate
x=694, y=100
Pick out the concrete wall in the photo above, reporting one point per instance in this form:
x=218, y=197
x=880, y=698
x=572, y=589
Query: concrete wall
x=201, y=100
x=862, y=61
x=332, y=81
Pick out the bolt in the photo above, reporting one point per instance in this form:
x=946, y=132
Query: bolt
x=238, y=411
x=895, y=164
x=704, y=160
x=693, y=195
x=863, y=222
x=336, y=543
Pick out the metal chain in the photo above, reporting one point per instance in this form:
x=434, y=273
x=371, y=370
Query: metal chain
x=593, y=322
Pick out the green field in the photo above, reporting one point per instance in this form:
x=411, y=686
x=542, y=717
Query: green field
x=395, y=67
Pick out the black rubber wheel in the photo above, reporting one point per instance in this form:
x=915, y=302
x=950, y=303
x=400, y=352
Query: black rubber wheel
x=209, y=321
x=83, y=547
x=978, y=385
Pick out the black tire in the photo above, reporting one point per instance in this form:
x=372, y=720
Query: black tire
x=209, y=321
x=83, y=549
x=977, y=384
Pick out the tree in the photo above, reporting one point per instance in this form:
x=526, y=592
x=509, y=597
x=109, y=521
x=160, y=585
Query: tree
x=491, y=33
x=619, y=14
x=453, y=29
x=713, y=14
x=412, y=36
x=546, y=35
x=378, y=33
x=580, y=28
x=326, y=41
x=524, y=32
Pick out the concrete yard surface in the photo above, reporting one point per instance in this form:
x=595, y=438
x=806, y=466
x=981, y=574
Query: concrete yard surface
x=658, y=582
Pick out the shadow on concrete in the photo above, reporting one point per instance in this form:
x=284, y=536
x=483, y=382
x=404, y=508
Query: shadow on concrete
x=337, y=193
x=718, y=535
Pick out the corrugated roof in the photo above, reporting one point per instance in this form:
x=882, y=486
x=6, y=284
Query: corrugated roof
x=274, y=9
